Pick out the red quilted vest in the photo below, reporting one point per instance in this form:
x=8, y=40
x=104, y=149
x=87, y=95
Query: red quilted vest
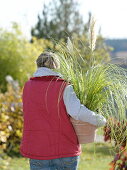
x=47, y=131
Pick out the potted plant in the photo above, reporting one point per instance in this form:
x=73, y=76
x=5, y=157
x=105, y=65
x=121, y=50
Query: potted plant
x=100, y=87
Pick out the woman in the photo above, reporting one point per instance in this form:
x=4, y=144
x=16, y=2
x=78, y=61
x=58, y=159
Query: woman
x=49, y=140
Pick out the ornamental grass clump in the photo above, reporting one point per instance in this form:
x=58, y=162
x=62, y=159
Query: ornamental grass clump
x=102, y=87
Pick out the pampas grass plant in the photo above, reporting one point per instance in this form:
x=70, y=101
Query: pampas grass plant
x=102, y=88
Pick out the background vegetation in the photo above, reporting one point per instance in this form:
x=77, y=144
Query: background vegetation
x=18, y=55
x=59, y=19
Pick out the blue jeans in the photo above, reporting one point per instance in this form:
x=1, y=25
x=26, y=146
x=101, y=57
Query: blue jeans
x=67, y=163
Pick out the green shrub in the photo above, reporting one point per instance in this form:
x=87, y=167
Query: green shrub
x=18, y=55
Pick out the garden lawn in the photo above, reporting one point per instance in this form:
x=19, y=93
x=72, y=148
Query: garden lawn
x=94, y=157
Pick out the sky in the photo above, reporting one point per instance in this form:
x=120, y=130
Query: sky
x=110, y=15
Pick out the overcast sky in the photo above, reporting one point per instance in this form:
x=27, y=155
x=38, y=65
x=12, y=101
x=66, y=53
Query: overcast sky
x=110, y=14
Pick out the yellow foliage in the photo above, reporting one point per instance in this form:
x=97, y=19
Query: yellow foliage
x=11, y=120
x=19, y=54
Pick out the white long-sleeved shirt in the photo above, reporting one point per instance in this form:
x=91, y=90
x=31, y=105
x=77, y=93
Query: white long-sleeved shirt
x=73, y=106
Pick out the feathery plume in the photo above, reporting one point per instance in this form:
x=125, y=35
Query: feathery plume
x=70, y=46
x=92, y=34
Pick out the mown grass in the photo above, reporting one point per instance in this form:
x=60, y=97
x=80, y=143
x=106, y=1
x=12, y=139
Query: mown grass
x=94, y=157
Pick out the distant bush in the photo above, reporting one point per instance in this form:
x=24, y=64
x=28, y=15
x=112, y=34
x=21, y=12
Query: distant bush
x=18, y=55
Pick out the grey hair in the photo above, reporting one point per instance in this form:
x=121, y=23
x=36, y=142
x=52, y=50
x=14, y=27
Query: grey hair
x=49, y=60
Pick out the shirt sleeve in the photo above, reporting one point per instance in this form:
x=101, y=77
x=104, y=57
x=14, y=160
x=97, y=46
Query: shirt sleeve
x=78, y=111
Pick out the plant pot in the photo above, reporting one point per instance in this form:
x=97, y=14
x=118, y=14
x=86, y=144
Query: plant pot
x=85, y=132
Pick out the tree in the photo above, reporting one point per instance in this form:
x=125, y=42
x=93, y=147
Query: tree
x=17, y=55
x=60, y=19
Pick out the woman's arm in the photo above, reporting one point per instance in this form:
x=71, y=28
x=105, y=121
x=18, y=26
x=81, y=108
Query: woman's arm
x=78, y=111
